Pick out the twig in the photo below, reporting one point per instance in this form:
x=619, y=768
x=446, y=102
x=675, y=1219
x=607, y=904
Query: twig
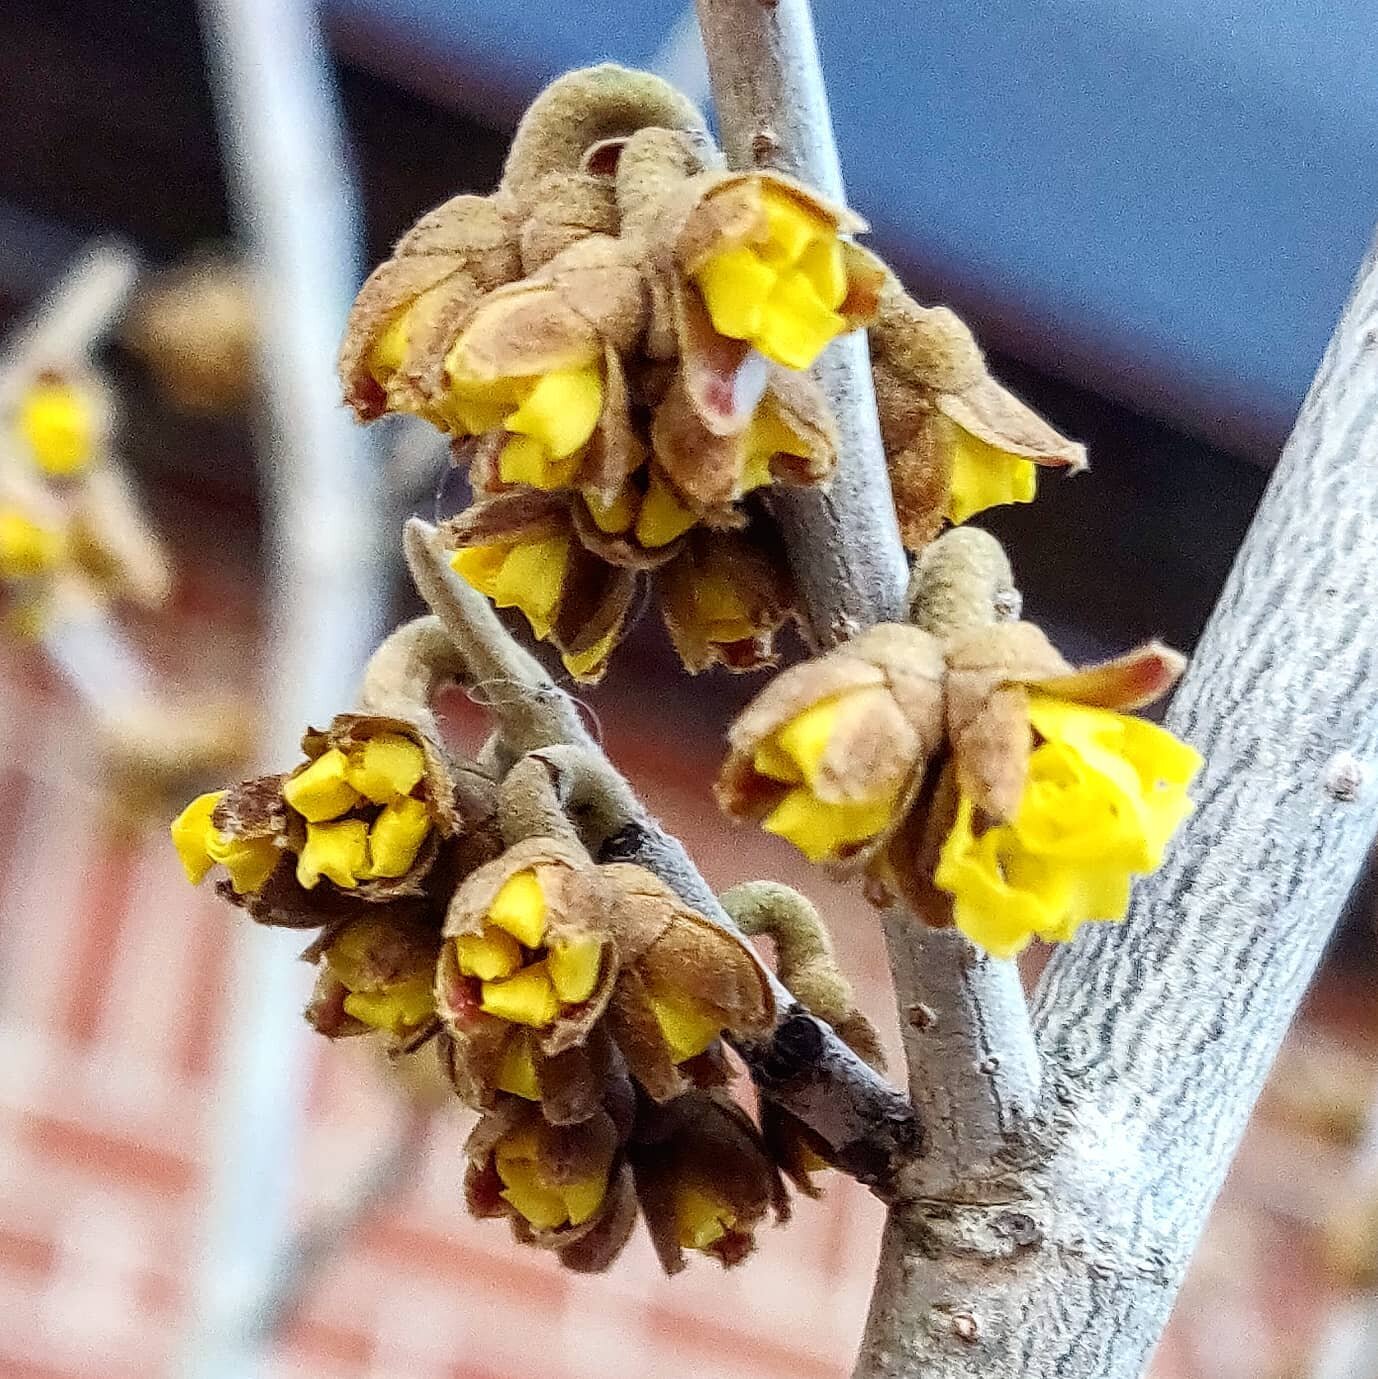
x=963, y=1018
x=71, y=319
x=804, y=1067
x=392, y=1170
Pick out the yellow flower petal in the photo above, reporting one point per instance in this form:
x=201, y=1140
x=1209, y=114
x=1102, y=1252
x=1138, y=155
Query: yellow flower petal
x=384, y=767
x=582, y=663
x=525, y=460
x=687, y=1025
x=773, y=762
x=795, y=324
x=249, y=861
x=574, y=969
x=529, y=1189
x=583, y=1197
x=396, y=837
x=826, y=269
x=700, y=1219
x=529, y=575
x=489, y=956
x=561, y=411
x=476, y=406
x=766, y=437
x=822, y=831
x=984, y=477
x=479, y=566
x=26, y=549
x=517, y=1068
x=519, y=908
x=532, y=578
x=616, y=517
x=390, y=349
x=720, y=612
x=663, y=518
x=336, y=851
x=191, y=831
x=736, y=285
x=526, y=998
x=398, y=1008
x=59, y=427
x=321, y=791
x=525, y=1190
x=805, y=738
x=791, y=228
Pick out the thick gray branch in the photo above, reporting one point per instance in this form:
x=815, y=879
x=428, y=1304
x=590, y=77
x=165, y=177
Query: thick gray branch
x=1157, y=1034
x=970, y=1050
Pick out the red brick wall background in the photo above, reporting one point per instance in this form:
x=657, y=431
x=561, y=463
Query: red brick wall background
x=111, y=973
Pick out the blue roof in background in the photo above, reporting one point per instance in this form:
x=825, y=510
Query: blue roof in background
x=1164, y=202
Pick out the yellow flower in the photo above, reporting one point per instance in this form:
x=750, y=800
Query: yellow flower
x=550, y=417
x=522, y=979
x=58, y=426
x=200, y=846
x=532, y=1189
x=984, y=476
x=398, y=1003
x=529, y=575
x=346, y=840
x=26, y=548
x=1103, y=795
x=794, y=755
x=702, y=1219
x=781, y=291
x=362, y=823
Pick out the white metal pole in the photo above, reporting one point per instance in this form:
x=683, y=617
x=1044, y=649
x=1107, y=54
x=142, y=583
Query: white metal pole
x=285, y=156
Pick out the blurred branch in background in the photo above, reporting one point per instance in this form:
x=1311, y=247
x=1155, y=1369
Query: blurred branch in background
x=295, y=204
x=63, y=481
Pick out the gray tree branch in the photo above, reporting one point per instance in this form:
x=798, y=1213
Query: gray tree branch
x=963, y=1019
x=1056, y=1244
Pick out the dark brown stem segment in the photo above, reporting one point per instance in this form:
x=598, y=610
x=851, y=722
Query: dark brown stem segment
x=870, y=1128
x=963, y=1017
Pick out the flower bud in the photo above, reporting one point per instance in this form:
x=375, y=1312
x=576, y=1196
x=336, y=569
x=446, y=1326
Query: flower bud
x=360, y=822
x=704, y=1178
x=526, y=972
x=683, y=982
x=375, y=974
x=766, y=257
x=723, y=600
x=557, y=1185
x=521, y=550
x=832, y=754
x=412, y=304
x=956, y=441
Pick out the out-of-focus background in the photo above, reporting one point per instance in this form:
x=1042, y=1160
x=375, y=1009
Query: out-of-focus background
x=1150, y=214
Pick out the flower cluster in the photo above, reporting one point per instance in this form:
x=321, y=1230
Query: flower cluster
x=579, y=1008
x=616, y=340
x=584, y=1008
x=67, y=516
x=977, y=774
